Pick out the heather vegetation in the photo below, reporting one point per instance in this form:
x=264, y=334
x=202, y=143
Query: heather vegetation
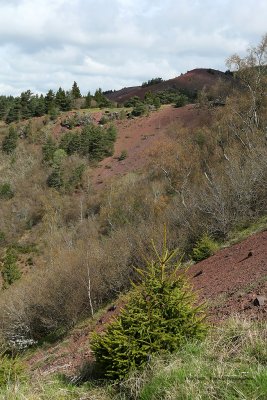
x=67, y=248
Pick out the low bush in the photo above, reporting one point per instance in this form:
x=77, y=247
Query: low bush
x=204, y=248
x=6, y=191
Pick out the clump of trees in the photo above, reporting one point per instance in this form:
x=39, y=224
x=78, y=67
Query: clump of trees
x=153, y=81
x=94, y=143
x=28, y=105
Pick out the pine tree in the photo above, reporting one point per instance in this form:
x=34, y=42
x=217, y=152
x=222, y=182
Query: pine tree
x=48, y=150
x=10, y=271
x=75, y=91
x=160, y=316
x=49, y=101
x=9, y=143
x=14, y=113
x=88, y=100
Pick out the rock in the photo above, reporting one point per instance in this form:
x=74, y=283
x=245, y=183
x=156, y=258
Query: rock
x=259, y=301
x=198, y=273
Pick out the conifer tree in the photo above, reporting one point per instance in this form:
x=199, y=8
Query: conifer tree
x=49, y=101
x=10, y=141
x=160, y=316
x=75, y=91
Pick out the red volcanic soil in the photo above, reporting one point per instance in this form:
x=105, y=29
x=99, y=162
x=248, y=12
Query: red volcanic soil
x=229, y=282
x=191, y=82
x=137, y=135
x=232, y=279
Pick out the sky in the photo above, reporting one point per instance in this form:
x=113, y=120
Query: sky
x=112, y=44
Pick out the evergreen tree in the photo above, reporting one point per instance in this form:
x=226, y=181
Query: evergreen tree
x=63, y=100
x=10, y=271
x=101, y=100
x=55, y=179
x=88, y=100
x=75, y=91
x=48, y=150
x=160, y=316
x=25, y=104
x=14, y=112
x=40, y=107
x=49, y=101
x=9, y=143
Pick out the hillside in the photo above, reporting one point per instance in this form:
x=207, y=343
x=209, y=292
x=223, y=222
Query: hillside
x=84, y=191
x=191, y=82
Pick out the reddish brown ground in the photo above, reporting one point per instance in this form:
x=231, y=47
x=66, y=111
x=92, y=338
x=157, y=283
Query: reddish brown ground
x=231, y=279
x=229, y=282
x=138, y=135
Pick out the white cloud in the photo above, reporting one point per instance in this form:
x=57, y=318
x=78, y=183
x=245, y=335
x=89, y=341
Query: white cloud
x=115, y=43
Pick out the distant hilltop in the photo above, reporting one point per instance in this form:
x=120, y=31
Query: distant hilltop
x=190, y=83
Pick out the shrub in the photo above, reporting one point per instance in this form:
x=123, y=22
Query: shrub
x=55, y=179
x=204, y=248
x=10, y=271
x=6, y=191
x=181, y=101
x=123, y=155
x=159, y=317
x=139, y=109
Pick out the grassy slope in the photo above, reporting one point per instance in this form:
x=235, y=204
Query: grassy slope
x=230, y=364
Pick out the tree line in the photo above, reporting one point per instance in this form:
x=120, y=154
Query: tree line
x=28, y=104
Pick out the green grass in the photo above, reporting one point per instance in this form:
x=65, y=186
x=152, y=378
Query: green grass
x=244, y=231
x=231, y=364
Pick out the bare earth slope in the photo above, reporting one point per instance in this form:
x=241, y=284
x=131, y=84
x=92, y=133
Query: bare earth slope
x=232, y=279
x=137, y=135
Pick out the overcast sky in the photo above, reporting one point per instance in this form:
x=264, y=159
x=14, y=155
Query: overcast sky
x=116, y=43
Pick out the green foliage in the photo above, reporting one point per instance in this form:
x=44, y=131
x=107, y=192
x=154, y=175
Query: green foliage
x=55, y=179
x=48, y=150
x=9, y=143
x=123, y=155
x=2, y=238
x=181, y=101
x=6, y=191
x=101, y=100
x=160, y=316
x=10, y=271
x=11, y=370
x=58, y=157
x=76, y=177
x=132, y=102
x=96, y=142
x=71, y=142
x=139, y=109
x=153, y=81
x=63, y=100
x=88, y=99
x=75, y=91
x=229, y=364
x=53, y=113
x=204, y=248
